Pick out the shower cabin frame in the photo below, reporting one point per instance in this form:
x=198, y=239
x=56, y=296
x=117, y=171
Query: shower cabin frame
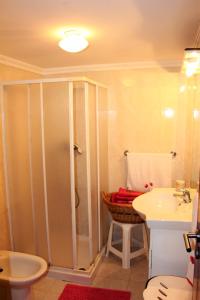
x=59, y=272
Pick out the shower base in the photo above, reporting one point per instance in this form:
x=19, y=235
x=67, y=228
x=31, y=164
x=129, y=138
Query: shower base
x=76, y=275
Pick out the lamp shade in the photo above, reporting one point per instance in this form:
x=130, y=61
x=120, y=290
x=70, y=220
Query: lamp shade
x=74, y=41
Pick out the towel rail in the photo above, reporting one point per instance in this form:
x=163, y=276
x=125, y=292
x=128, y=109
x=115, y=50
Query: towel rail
x=126, y=152
x=173, y=153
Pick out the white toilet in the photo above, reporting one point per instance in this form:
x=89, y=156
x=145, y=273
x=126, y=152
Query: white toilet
x=18, y=271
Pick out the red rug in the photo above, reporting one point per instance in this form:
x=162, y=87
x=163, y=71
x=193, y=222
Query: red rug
x=78, y=292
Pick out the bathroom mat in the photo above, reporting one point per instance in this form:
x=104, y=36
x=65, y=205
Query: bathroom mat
x=78, y=292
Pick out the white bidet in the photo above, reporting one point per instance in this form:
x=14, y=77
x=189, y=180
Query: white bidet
x=18, y=271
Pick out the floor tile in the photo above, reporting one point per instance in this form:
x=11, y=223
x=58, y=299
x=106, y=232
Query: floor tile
x=44, y=284
x=58, y=286
x=139, y=270
x=136, y=295
x=110, y=270
x=38, y=295
x=136, y=288
x=110, y=284
x=110, y=275
x=51, y=296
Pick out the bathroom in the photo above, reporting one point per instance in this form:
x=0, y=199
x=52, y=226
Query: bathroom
x=151, y=105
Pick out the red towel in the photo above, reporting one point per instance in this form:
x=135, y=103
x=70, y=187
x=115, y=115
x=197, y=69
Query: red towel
x=128, y=193
x=119, y=199
x=124, y=196
x=122, y=202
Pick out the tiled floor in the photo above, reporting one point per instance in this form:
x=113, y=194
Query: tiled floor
x=109, y=275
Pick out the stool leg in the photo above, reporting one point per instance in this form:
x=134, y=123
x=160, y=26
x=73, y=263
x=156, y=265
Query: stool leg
x=145, y=240
x=109, y=243
x=126, y=247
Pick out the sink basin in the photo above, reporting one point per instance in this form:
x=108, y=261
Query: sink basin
x=161, y=206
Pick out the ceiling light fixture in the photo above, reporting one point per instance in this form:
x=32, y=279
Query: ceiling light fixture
x=191, y=63
x=74, y=41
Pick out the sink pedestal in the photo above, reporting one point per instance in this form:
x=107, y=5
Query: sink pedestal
x=21, y=293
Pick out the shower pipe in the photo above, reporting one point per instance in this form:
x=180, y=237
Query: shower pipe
x=77, y=198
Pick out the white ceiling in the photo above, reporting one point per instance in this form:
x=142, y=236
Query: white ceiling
x=121, y=31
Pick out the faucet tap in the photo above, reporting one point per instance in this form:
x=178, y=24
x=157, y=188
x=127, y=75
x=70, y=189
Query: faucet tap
x=186, y=196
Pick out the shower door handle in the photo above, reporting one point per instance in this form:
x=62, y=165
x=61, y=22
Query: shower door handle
x=78, y=148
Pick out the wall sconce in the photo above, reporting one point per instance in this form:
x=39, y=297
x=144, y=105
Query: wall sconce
x=168, y=112
x=191, y=63
x=74, y=41
x=196, y=114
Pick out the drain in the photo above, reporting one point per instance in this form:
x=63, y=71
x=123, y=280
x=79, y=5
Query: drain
x=82, y=269
x=1, y=270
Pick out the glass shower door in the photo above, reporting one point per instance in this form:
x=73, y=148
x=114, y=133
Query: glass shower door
x=37, y=151
x=81, y=180
x=16, y=132
x=56, y=150
x=93, y=168
x=86, y=173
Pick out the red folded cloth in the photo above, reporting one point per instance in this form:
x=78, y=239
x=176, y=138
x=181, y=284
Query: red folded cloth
x=124, y=196
x=122, y=202
x=128, y=193
x=116, y=199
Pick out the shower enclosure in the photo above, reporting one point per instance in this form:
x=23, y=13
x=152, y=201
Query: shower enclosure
x=55, y=165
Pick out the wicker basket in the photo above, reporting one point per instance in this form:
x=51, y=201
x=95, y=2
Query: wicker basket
x=123, y=213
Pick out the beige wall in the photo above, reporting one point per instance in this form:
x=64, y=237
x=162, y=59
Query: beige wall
x=137, y=99
x=192, y=94
x=8, y=73
x=11, y=73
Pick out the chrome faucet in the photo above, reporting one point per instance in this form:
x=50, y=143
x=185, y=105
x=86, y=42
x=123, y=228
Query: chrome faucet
x=184, y=194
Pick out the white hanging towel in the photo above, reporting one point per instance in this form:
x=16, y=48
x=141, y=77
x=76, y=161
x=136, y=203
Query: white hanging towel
x=148, y=170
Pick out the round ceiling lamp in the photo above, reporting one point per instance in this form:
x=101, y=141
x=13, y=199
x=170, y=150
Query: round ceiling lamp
x=74, y=41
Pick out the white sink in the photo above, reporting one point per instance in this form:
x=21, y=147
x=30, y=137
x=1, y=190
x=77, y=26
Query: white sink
x=161, y=208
